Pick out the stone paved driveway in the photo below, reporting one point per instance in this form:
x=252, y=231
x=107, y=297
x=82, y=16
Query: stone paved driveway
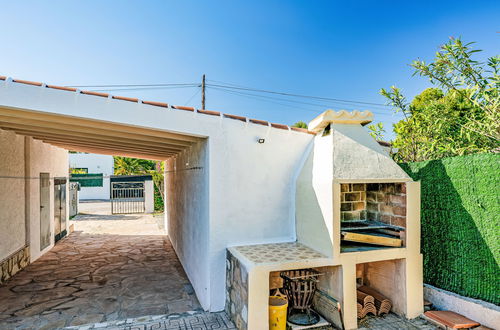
x=89, y=278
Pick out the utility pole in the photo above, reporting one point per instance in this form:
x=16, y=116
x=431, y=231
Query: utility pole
x=203, y=93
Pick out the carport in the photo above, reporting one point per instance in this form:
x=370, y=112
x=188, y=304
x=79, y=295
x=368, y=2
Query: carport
x=92, y=136
x=210, y=158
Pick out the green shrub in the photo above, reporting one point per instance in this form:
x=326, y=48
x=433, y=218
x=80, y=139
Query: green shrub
x=460, y=223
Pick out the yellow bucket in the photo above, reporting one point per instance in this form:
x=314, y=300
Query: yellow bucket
x=277, y=313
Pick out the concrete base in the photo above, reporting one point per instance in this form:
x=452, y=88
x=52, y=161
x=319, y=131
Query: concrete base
x=480, y=311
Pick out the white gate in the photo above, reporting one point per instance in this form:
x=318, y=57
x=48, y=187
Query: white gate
x=127, y=197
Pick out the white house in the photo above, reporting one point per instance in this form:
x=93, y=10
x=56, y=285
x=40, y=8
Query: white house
x=233, y=185
x=93, y=164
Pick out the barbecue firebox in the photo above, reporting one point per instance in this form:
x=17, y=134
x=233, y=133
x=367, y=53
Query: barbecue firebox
x=373, y=216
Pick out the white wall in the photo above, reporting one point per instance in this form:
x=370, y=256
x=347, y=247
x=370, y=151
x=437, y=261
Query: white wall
x=149, y=196
x=187, y=212
x=20, y=159
x=12, y=213
x=44, y=158
x=243, y=194
x=96, y=164
x=252, y=191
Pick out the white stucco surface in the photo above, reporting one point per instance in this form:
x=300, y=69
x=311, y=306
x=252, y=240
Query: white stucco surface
x=12, y=219
x=149, y=196
x=44, y=158
x=252, y=191
x=314, y=195
x=21, y=162
x=187, y=215
x=95, y=164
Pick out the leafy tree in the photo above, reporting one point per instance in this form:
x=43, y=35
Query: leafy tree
x=461, y=116
x=300, y=124
x=77, y=171
x=376, y=131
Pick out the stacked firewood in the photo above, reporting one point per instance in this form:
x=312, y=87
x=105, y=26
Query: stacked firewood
x=371, y=302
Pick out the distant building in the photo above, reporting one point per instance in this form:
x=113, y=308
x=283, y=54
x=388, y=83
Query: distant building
x=101, y=165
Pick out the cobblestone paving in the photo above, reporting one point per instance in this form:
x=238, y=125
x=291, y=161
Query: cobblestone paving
x=184, y=321
x=90, y=278
x=392, y=321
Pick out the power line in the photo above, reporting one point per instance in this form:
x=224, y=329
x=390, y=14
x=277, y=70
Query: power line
x=226, y=85
x=296, y=95
x=196, y=93
x=292, y=101
x=271, y=100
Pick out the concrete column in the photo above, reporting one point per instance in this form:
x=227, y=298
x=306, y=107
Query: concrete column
x=349, y=295
x=414, y=286
x=149, y=196
x=258, y=299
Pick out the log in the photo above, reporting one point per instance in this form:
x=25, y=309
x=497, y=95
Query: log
x=382, y=303
x=375, y=239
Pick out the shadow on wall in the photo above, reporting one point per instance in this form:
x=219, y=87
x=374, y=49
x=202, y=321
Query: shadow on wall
x=310, y=223
x=459, y=224
x=105, y=217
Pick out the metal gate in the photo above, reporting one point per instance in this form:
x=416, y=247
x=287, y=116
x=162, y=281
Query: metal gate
x=59, y=208
x=127, y=197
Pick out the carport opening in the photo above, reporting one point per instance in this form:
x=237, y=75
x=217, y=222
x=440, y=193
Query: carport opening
x=109, y=263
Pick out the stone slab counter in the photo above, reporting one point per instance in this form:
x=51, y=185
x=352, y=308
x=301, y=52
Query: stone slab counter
x=248, y=275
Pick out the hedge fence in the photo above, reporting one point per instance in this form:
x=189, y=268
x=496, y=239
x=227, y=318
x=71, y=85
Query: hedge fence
x=87, y=179
x=461, y=223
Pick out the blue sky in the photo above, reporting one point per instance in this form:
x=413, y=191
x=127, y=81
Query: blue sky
x=336, y=49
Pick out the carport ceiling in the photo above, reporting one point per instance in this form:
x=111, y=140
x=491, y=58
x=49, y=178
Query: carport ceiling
x=86, y=135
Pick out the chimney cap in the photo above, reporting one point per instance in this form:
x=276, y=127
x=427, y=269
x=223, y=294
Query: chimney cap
x=340, y=117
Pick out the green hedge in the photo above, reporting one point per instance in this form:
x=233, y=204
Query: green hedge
x=461, y=223
x=88, y=179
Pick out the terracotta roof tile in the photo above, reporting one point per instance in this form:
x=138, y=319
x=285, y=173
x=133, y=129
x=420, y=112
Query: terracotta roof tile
x=69, y=89
x=123, y=98
x=27, y=82
x=180, y=107
x=226, y=115
x=260, y=122
x=163, y=105
x=280, y=126
x=95, y=93
x=208, y=112
x=298, y=129
x=158, y=104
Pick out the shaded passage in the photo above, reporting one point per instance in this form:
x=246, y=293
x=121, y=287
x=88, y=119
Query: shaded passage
x=89, y=278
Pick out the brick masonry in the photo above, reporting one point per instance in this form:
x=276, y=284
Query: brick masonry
x=237, y=292
x=384, y=202
x=353, y=201
x=14, y=263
